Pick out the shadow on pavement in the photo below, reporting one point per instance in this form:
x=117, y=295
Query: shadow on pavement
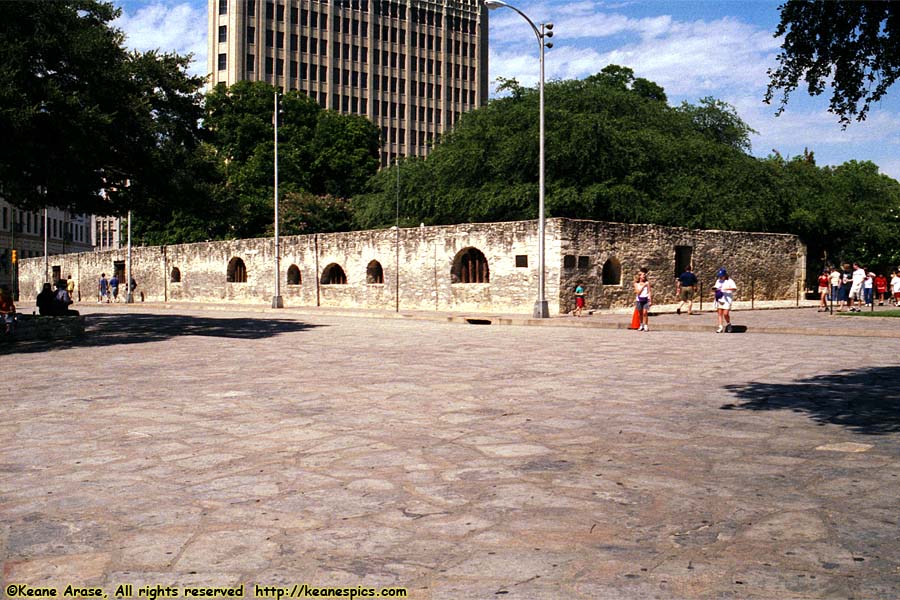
x=119, y=329
x=865, y=401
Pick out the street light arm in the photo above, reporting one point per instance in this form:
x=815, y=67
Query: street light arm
x=495, y=4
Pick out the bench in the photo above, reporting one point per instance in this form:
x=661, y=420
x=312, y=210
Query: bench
x=36, y=327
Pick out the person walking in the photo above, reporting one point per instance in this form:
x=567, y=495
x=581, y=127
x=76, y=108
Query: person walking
x=579, y=300
x=104, y=289
x=114, y=287
x=724, y=291
x=868, y=288
x=685, y=284
x=642, y=299
x=823, y=291
x=70, y=287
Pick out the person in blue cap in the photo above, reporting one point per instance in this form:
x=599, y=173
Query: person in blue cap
x=725, y=288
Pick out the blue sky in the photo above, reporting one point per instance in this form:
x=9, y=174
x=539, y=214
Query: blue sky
x=692, y=48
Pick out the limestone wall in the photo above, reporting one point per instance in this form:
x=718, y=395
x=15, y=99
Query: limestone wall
x=575, y=251
x=764, y=266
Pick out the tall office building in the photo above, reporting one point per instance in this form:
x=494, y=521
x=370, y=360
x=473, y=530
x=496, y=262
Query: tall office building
x=411, y=66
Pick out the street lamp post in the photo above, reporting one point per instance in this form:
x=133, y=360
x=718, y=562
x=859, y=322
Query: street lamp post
x=277, y=300
x=541, y=310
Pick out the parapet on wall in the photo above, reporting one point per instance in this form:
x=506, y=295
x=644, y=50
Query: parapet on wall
x=478, y=267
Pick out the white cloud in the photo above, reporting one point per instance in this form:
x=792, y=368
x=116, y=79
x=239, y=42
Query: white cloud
x=689, y=59
x=177, y=28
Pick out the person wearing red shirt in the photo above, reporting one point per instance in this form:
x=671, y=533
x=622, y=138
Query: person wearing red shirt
x=881, y=288
x=823, y=291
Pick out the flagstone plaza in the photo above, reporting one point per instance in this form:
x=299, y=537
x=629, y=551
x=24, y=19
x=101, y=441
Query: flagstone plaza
x=218, y=448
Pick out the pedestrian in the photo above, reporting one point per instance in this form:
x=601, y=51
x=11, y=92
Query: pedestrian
x=642, y=299
x=7, y=311
x=895, y=287
x=823, y=290
x=685, y=284
x=579, y=300
x=114, y=287
x=724, y=291
x=868, y=288
x=881, y=287
x=855, y=295
x=835, y=281
x=70, y=287
x=104, y=289
x=846, y=283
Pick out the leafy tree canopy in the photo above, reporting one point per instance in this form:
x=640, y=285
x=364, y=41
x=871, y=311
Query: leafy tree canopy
x=80, y=114
x=850, y=45
x=616, y=152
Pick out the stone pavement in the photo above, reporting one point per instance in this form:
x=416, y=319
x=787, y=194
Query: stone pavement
x=186, y=447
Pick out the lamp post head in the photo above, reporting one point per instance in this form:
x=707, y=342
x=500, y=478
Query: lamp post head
x=495, y=4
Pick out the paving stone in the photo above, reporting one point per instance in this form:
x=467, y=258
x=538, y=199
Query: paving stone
x=455, y=461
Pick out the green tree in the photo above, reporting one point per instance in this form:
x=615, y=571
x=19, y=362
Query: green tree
x=80, y=114
x=320, y=153
x=850, y=45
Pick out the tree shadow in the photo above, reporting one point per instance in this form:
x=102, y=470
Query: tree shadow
x=120, y=329
x=865, y=401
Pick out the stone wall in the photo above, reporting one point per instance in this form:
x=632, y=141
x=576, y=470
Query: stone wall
x=426, y=256
x=764, y=266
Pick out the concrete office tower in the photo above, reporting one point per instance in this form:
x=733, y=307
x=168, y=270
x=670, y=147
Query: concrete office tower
x=412, y=67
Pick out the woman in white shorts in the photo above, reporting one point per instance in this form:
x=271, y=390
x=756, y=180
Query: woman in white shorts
x=725, y=288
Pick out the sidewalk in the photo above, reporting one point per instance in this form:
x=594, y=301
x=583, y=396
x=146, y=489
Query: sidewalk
x=770, y=317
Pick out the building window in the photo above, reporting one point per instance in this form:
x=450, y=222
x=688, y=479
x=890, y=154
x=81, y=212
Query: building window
x=237, y=271
x=251, y=8
x=223, y=62
x=270, y=10
x=293, y=275
x=223, y=7
x=175, y=276
x=333, y=275
x=470, y=266
x=251, y=62
x=612, y=272
x=374, y=273
x=223, y=34
x=251, y=35
x=521, y=261
x=569, y=261
x=584, y=262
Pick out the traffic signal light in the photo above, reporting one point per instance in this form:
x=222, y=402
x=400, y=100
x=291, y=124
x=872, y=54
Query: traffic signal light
x=15, y=258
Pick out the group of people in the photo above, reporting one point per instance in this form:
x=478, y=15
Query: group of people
x=52, y=303
x=685, y=287
x=109, y=288
x=852, y=288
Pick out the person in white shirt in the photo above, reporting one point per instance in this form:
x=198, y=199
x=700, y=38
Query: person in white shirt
x=856, y=286
x=725, y=288
x=895, y=287
x=835, y=280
